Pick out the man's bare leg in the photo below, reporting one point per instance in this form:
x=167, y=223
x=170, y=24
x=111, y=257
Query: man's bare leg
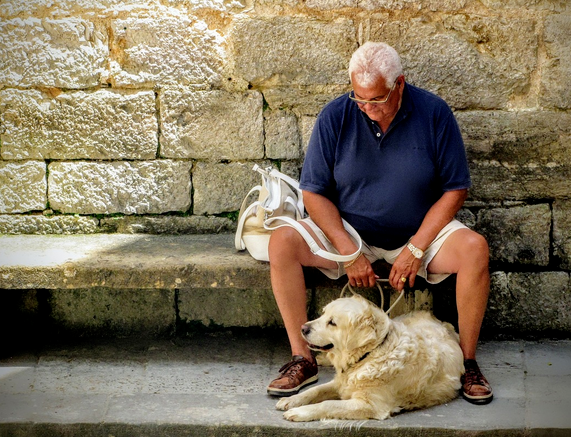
x=466, y=253
x=288, y=254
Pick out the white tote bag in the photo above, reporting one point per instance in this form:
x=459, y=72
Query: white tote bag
x=279, y=203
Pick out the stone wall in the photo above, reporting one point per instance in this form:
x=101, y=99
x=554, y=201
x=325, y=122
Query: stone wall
x=147, y=115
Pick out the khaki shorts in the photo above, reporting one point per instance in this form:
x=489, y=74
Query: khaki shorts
x=376, y=253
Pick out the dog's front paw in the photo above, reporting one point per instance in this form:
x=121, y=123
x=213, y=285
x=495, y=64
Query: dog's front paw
x=287, y=403
x=282, y=404
x=299, y=414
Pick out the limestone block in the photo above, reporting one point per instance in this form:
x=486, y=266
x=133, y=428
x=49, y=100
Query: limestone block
x=165, y=49
x=211, y=124
x=103, y=124
x=171, y=225
x=282, y=137
x=39, y=224
x=216, y=5
x=549, y=5
x=150, y=187
x=23, y=186
x=113, y=311
x=303, y=100
x=467, y=217
x=519, y=235
x=13, y=8
x=240, y=308
x=220, y=187
x=414, y=300
x=470, y=61
x=307, y=124
x=555, y=90
x=431, y=5
x=291, y=168
x=331, y=4
x=517, y=137
x=62, y=53
x=562, y=232
x=494, y=180
x=277, y=3
x=293, y=51
x=529, y=303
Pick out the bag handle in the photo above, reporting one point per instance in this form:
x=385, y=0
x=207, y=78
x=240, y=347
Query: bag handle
x=242, y=216
x=276, y=174
x=313, y=246
x=287, y=221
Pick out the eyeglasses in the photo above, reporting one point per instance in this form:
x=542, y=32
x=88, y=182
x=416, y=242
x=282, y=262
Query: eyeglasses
x=372, y=102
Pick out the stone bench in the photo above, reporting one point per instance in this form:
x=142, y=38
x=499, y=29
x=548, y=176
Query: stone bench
x=119, y=285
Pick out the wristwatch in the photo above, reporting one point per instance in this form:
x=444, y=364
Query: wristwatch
x=416, y=252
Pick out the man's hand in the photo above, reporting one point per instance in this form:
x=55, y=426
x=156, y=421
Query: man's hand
x=406, y=266
x=361, y=273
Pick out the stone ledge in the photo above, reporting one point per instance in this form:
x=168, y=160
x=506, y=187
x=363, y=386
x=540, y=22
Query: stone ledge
x=127, y=261
x=154, y=285
x=120, y=285
x=121, y=261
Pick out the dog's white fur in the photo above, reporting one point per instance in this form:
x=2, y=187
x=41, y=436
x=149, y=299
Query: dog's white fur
x=382, y=366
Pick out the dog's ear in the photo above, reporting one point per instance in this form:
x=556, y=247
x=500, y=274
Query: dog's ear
x=379, y=317
x=381, y=322
x=365, y=328
x=358, y=297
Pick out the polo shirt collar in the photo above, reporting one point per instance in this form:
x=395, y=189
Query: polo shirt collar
x=407, y=102
x=406, y=106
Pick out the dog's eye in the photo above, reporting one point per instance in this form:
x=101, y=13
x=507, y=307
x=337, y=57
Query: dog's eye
x=331, y=323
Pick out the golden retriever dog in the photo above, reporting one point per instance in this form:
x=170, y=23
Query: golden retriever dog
x=382, y=365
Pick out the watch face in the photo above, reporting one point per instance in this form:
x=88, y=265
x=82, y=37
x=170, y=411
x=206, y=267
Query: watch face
x=416, y=252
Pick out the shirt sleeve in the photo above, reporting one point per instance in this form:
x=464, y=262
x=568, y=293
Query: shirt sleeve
x=451, y=157
x=317, y=171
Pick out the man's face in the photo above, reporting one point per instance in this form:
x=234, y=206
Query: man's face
x=379, y=92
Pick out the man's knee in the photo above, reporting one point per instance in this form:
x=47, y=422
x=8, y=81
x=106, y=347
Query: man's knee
x=467, y=249
x=283, y=241
x=472, y=252
x=477, y=246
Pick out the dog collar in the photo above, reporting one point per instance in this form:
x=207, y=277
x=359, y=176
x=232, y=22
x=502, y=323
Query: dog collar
x=360, y=359
x=364, y=356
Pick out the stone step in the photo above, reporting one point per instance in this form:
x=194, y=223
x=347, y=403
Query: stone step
x=214, y=386
x=105, y=285
x=210, y=380
x=118, y=285
x=127, y=261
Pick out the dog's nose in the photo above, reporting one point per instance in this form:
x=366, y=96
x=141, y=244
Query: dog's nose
x=305, y=329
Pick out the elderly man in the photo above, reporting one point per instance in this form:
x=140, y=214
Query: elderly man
x=388, y=157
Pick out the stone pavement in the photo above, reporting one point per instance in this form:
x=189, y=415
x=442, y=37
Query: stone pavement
x=214, y=385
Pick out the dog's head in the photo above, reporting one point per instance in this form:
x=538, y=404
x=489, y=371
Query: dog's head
x=347, y=330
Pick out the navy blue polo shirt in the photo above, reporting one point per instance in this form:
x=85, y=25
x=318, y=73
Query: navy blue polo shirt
x=384, y=184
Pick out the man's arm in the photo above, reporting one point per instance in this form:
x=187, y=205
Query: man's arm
x=326, y=216
x=438, y=216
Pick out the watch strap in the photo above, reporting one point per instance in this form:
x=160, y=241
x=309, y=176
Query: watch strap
x=416, y=252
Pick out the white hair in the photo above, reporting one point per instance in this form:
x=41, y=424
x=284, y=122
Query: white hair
x=372, y=61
